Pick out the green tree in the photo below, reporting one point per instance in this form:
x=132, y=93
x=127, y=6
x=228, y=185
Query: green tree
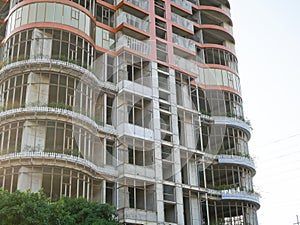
x=25, y=208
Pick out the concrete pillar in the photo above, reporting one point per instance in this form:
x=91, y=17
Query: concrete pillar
x=97, y=192
x=186, y=98
x=123, y=197
x=176, y=149
x=29, y=179
x=37, y=90
x=157, y=145
x=41, y=45
x=189, y=132
x=33, y=138
x=195, y=211
x=192, y=172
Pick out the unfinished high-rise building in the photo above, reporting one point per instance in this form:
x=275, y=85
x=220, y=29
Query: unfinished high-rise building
x=135, y=103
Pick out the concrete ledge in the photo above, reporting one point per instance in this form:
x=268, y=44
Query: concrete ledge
x=38, y=158
x=76, y=117
x=240, y=195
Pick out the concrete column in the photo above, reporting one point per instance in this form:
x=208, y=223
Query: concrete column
x=37, y=90
x=192, y=172
x=195, y=211
x=41, y=45
x=176, y=149
x=186, y=98
x=97, y=192
x=33, y=138
x=157, y=145
x=29, y=179
x=123, y=197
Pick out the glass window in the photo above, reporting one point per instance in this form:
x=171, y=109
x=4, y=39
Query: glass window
x=25, y=14
x=81, y=21
x=49, y=12
x=67, y=15
x=41, y=12
x=32, y=13
x=58, y=13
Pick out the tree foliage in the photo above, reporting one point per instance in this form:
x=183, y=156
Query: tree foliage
x=25, y=208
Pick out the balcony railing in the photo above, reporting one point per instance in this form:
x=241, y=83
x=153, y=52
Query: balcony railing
x=184, y=4
x=183, y=42
x=233, y=122
x=57, y=156
x=182, y=21
x=133, y=21
x=234, y=159
x=60, y=63
x=144, y=4
x=240, y=195
x=225, y=9
x=228, y=27
x=185, y=64
x=134, y=44
x=74, y=115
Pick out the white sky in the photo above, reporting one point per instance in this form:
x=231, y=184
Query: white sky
x=267, y=34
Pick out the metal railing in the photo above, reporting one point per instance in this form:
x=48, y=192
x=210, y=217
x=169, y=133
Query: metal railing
x=234, y=159
x=57, y=156
x=183, y=42
x=182, y=21
x=185, y=64
x=184, y=4
x=240, y=195
x=133, y=21
x=42, y=59
x=60, y=111
x=144, y=4
x=134, y=44
x=233, y=121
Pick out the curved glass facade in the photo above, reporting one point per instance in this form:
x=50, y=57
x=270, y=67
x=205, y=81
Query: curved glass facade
x=49, y=43
x=50, y=12
x=131, y=103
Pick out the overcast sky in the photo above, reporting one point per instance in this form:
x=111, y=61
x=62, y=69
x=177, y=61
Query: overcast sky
x=267, y=34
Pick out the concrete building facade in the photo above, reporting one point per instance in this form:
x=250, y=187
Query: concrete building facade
x=135, y=103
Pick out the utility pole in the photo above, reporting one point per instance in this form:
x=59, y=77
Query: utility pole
x=298, y=223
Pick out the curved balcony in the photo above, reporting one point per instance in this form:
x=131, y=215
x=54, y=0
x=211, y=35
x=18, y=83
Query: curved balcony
x=220, y=57
x=76, y=117
x=224, y=34
x=209, y=76
x=232, y=121
x=216, y=10
x=236, y=195
x=234, y=159
x=222, y=4
x=48, y=64
x=240, y=195
x=34, y=12
x=216, y=16
x=40, y=158
x=88, y=6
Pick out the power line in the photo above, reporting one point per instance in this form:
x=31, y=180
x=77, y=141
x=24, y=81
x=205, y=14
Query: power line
x=276, y=141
